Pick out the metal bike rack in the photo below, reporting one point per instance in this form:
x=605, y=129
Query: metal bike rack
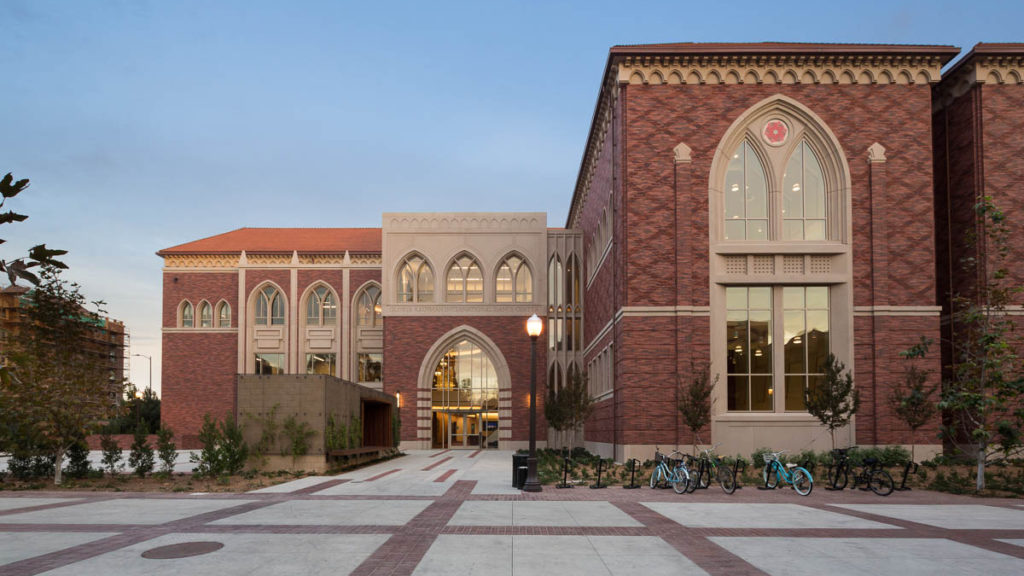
x=808, y=465
x=565, y=473
x=600, y=463
x=907, y=472
x=632, y=475
x=740, y=466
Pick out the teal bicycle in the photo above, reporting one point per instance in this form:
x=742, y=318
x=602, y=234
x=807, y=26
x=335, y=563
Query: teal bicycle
x=775, y=472
x=669, y=470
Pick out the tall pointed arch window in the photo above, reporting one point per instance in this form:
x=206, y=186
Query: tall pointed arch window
x=223, y=315
x=746, y=196
x=187, y=315
x=368, y=310
x=514, y=282
x=205, y=315
x=321, y=307
x=803, y=197
x=464, y=281
x=270, y=307
x=415, y=280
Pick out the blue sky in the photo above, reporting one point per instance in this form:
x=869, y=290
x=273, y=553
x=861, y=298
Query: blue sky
x=145, y=124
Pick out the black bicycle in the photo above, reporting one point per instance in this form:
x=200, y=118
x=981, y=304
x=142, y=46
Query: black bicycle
x=711, y=468
x=873, y=477
x=838, y=470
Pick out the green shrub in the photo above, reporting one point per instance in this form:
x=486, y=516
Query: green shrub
x=141, y=457
x=298, y=434
x=27, y=464
x=78, y=460
x=335, y=434
x=166, y=450
x=112, y=456
x=224, y=449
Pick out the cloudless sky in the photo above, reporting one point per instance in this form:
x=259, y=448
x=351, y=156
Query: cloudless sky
x=146, y=124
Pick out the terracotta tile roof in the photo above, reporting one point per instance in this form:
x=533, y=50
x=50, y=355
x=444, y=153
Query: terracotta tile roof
x=263, y=240
x=948, y=52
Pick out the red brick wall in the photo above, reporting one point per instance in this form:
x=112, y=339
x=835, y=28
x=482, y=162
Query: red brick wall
x=657, y=118
x=880, y=340
x=212, y=287
x=1002, y=110
x=198, y=374
x=408, y=339
x=662, y=231
x=198, y=378
x=308, y=277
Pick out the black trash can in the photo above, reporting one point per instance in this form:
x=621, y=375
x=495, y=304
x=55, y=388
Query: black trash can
x=519, y=470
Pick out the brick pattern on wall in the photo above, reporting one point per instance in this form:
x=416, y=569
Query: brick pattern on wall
x=198, y=378
x=212, y=287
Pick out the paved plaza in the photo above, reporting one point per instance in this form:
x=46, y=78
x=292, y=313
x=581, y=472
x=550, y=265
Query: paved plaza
x=454, y=512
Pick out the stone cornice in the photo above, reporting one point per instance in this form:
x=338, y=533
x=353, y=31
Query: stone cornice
x=976, y=69
x=781, y=69
x=762, y=64
x=231, y=262
x=464, y=221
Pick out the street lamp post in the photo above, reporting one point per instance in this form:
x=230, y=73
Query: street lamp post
x=533, y=327
x=149, y=387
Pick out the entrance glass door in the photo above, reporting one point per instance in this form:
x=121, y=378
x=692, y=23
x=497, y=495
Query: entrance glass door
x=464, y=398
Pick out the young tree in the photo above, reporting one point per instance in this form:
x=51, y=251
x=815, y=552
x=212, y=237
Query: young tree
x=982, y=396
x=579, y=403
x=112, y=454
x=37, y=256
x=695, y=400
x=556, y=410
x=911, y=399
x=60, y=385
x=141, y=457
x=166, y=450
x=835, y=400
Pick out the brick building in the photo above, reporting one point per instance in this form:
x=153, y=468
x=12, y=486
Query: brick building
x=749, y=207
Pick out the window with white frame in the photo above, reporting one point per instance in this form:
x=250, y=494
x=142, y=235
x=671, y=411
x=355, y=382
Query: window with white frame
x=464, y=281
x=205, y=315
x=187, y=315
x=514, y=281
x=270, y=307
x=758, y=370
x=415, y=280
x=223, y=315
x=321, y=307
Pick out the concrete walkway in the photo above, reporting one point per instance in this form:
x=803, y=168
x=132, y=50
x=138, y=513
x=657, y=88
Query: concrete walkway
x=453, y=512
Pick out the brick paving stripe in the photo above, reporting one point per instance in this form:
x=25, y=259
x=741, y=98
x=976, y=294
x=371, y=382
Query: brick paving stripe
x=436, y=464
x=445, y=476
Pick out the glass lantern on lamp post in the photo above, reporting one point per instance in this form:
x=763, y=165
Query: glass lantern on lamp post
x=534, y=326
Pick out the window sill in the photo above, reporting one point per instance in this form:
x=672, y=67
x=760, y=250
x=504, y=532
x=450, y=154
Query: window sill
x=777, y=247
x=794, y=417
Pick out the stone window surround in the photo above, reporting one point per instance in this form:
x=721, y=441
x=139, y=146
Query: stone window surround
x=804, y=125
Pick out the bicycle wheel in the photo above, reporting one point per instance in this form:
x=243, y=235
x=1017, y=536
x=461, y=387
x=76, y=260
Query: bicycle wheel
x=726, y=479
x=802, y=482
x=770, y=476
x=692, y=484
x=656, y=476
x=881, y=483
x=681, y=481
x=838, y=476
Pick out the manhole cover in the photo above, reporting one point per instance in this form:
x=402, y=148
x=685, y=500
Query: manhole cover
x=183, y=550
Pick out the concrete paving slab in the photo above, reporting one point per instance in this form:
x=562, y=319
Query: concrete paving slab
x=333, y=513
x=294, y=485
x=15, y=503
x=15, y=546
x=752, y=515
x=561, y=555
x=650, y=556
x=450, y=554
x=123, y=511
x=541, y=513
x=482, y=513
x=903, y=556
x=959, y=517
x=242, y=554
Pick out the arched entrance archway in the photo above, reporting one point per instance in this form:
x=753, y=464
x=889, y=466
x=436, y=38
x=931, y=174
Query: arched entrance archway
x=465, y=375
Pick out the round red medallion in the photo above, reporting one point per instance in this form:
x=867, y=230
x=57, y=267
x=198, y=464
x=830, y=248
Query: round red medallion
x=775, y=132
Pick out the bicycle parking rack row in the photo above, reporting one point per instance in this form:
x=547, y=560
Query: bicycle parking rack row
x=907, y=472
